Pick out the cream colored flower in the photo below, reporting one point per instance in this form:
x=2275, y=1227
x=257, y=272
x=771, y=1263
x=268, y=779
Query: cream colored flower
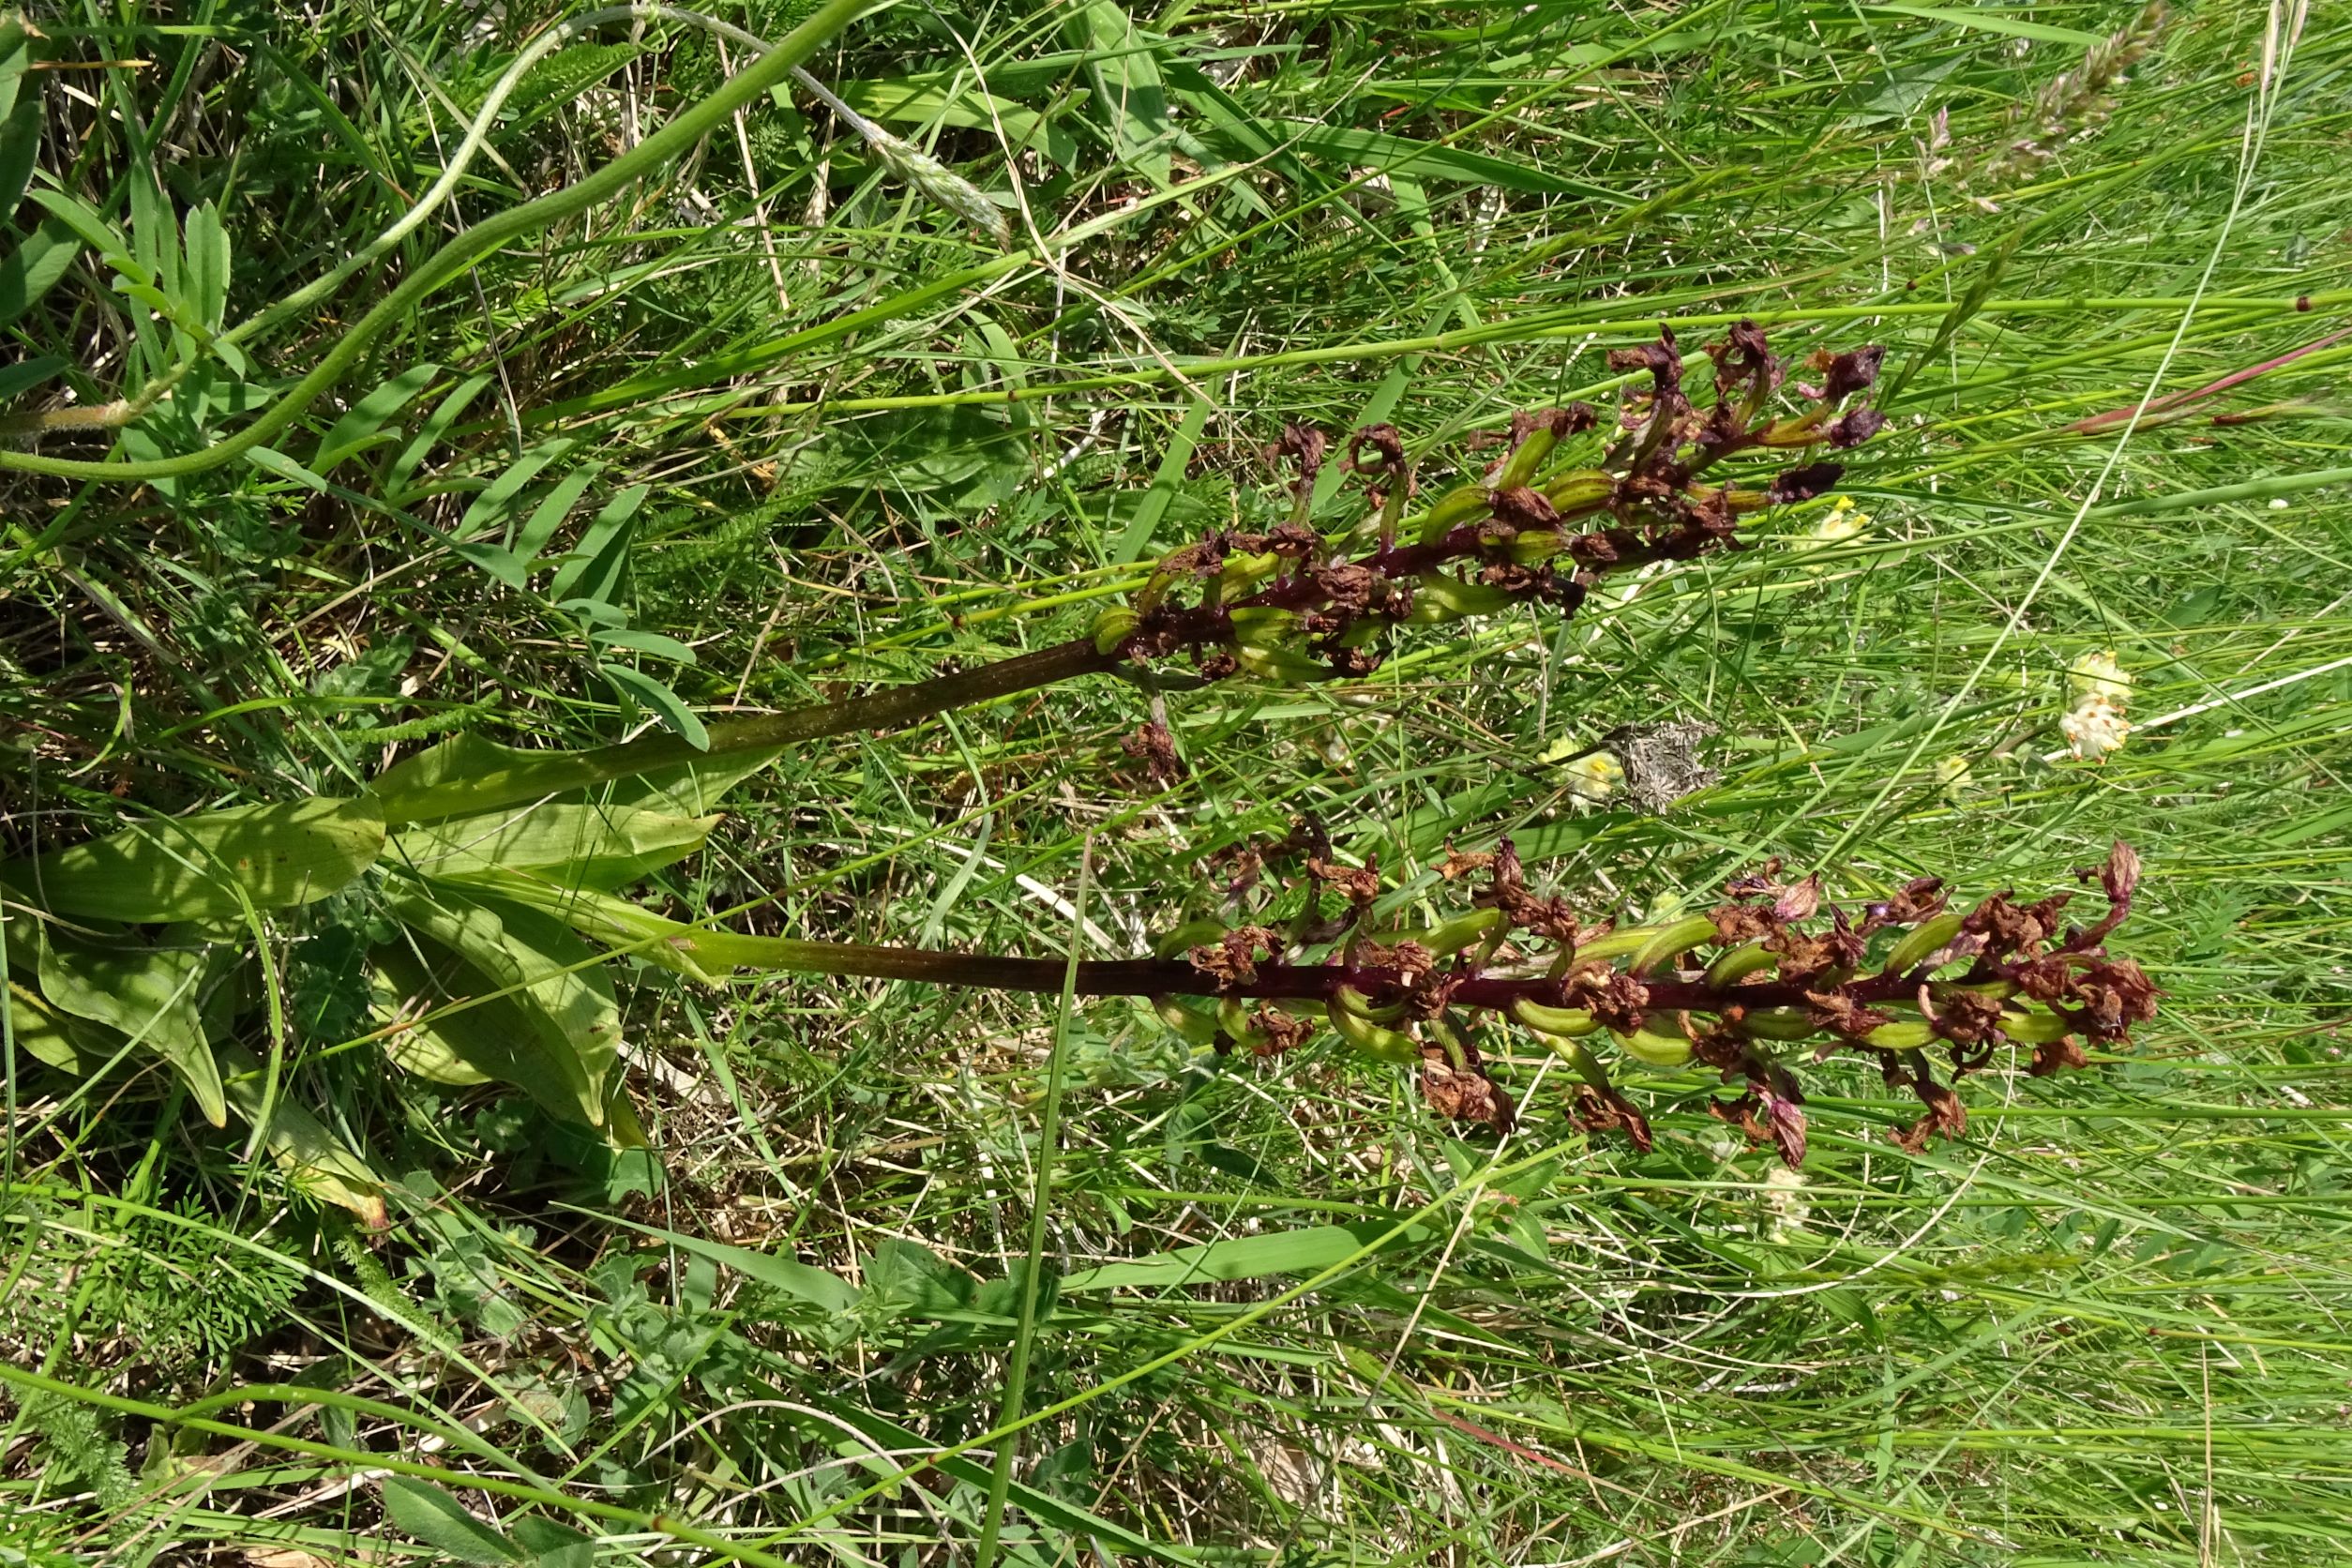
x=2095, y=728
x=1952, y=775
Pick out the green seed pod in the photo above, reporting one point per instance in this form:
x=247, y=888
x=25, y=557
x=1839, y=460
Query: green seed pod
x=1233, y=1018
x=1537, y=546
x=1779, y=1023
x=1921, y=940
x=1282, y=666
x=1113, y=626
x=1191, y=934
x=1263, y=627
x=1244, y=572
x=1456, y=506
x=1631, y=938
x=1457, y=598
x=1731, y=968
x=1373, y=1040
x=1578, y=489
x=1526, y=459
x=1197, y=1028
x=1455, y=934
x=2032, y=1026
x=1906, y=1034
x=1655, y=1048
x=1672, y=943
x=1362, y=1006
x=1563, y=1023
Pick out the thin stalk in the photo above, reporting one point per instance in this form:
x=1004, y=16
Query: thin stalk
x=1041, y=1200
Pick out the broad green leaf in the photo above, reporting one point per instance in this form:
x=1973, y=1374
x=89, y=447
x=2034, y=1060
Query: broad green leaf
x=681, y=719
x=1128, y=97
x=692, y=789
x=564, y=1056
x=32, y=372
x=67, y=1043
x=593, y=569
x=150, y=993
x=16, y=53
x=20, y=144
x=1241, y=1257
x=204, y=279
x=314, y=1159
x=98, y=234
x=554, y=1545
x=405, y=992
x=570, y=846
x=437, y=425
x=652, y=642
x=442, y=1522
x=33, y=268
x=196, y=868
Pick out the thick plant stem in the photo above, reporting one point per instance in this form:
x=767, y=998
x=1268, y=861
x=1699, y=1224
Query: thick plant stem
x=1272, y=981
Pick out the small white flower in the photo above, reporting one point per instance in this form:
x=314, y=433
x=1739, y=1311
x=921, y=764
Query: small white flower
x=1952, y=775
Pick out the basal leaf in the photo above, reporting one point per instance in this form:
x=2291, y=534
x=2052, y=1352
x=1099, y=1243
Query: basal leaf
x=314, y=1159
x=360, y=427
x=150, y=993
x=196, y=868
x=570, y=846
x=405, y=993
x=49, y=1035
x=1240, y=1257
x=564, y=997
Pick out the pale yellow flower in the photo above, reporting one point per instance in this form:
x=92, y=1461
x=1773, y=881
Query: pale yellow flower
x=1594, y=776
x=2097, y=675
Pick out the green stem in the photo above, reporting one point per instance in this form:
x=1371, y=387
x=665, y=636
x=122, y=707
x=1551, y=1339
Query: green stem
x=534, y=775
x=462, y=251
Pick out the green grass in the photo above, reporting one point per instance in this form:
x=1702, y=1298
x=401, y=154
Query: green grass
x=1267, y=1311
